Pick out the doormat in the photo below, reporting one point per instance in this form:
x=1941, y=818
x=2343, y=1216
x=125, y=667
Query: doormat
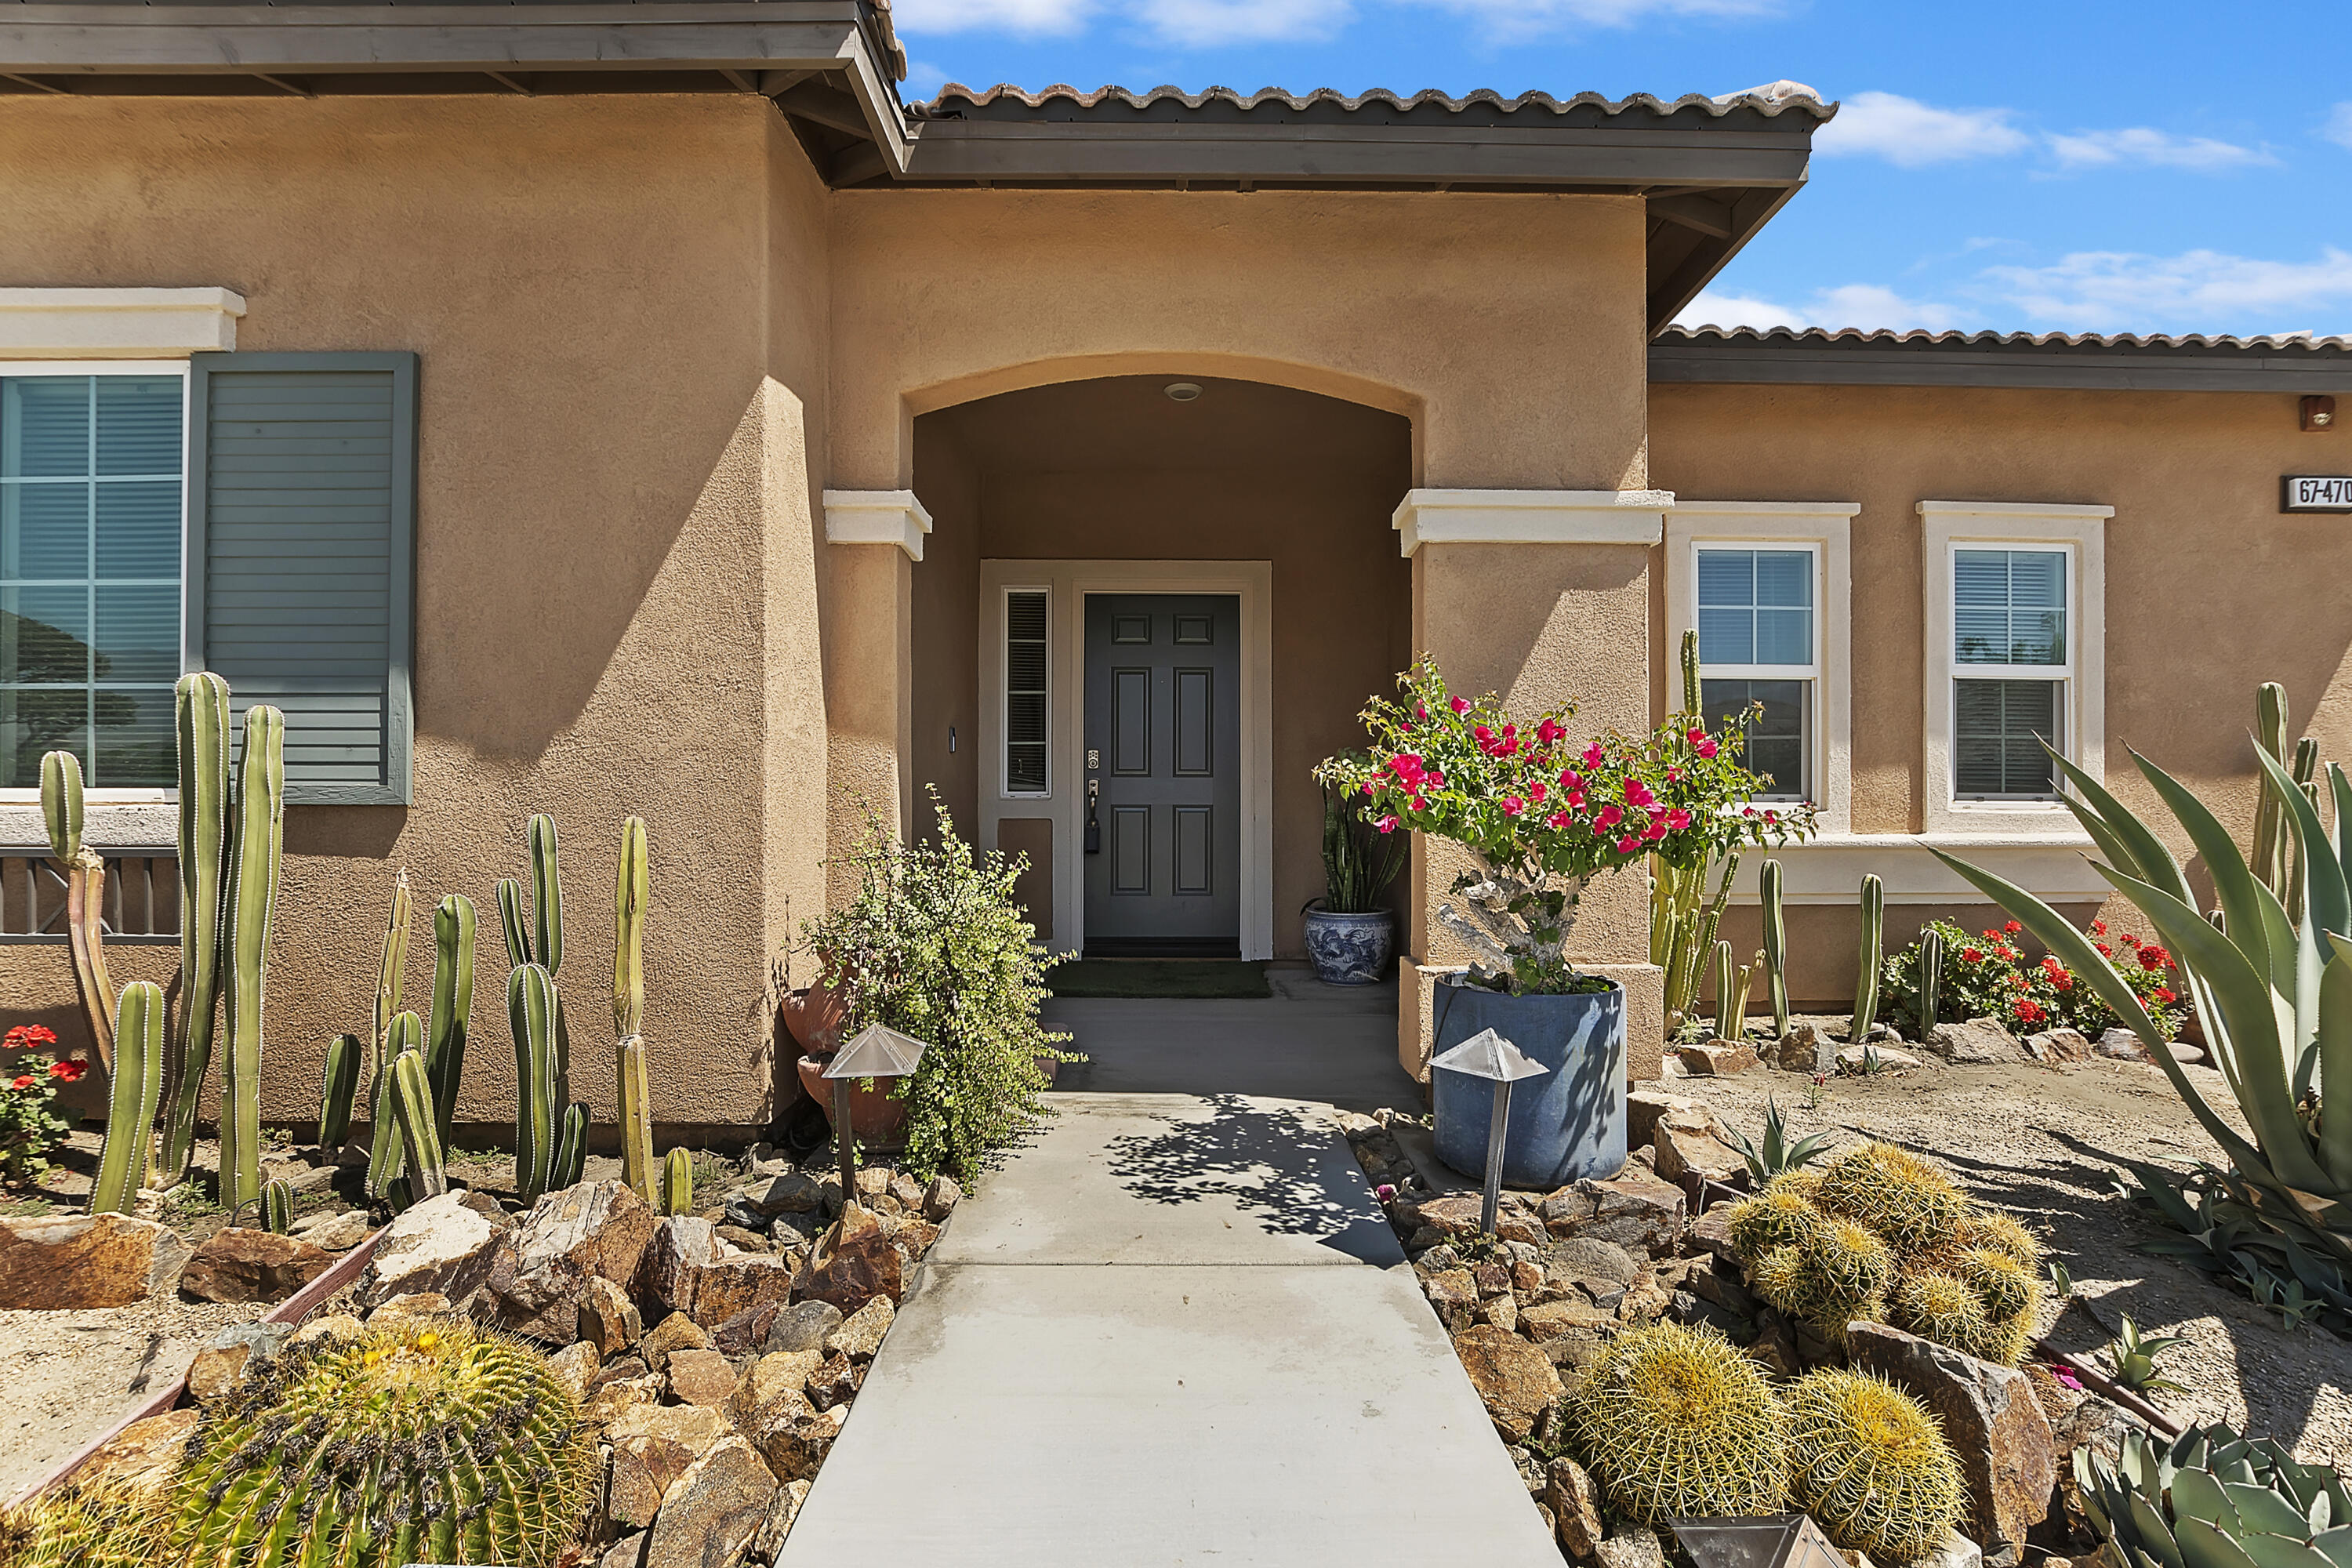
x=1165, y=978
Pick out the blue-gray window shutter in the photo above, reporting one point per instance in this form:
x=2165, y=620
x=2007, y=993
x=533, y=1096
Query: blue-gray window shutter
x=301, y=558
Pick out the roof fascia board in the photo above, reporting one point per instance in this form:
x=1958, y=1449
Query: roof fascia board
x=2155, y=370
x=1749, y=213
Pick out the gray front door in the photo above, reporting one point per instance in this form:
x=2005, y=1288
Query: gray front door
x=1163, y=775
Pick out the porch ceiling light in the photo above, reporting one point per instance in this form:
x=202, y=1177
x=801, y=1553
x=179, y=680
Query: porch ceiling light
x=1489, y=1055
x=878, y=1051
x=1184, y=392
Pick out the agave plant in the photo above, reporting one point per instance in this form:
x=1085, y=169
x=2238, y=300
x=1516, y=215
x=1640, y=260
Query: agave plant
x=2133, y=1356
x=2214, y=1499
x=1778, y=1157
x=2273, y=988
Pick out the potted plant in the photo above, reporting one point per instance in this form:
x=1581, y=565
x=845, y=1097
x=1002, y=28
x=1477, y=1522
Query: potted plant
x=1540, y=813
x=1350, y=932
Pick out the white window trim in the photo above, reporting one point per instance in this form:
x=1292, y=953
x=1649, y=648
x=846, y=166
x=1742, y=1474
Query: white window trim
x=1004, y=789
x=1946, y=526
x=1827, y=529
x=117, y=323
x=14, y=825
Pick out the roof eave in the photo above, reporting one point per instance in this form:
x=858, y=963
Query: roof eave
x=2025, y=364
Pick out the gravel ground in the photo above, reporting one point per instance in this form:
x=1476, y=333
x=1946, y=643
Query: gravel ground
x=2047, y=1145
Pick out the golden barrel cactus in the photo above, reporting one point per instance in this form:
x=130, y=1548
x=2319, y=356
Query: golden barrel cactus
x=1676, y=1423
x=1871, y=1466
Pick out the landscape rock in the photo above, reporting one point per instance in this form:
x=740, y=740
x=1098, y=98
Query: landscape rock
x=300, y=1175
x=488, y=1207
x=1645, y=1108
x=335, y=1232
x=540, y=1269
x=1979, y=1040
x=746, y=1333
x=1711, y=1233
x=854, y=1264
x=1855, y=1060
x=2060, y=1048
x=907, y=1191
x=2122, y=1046
x=940, y=1198
x=629, y=1551
x=1596, y=1267
x=700, y=1377
x=225, y=1358
x=575, y=1366
x=790, y=1193
x=653, y=1446
x=1682, y=1153
x=615, y=1397
x=1988, y=1414
x=743, y=1229
x=1575, y=1506
x=782, y=1512
x=143, y=1457
x=1634, y=1546
x=84, y=1261
x=413, y=1306
x=1548, y=1320
x=236, y=1263
x=1514, y=1379
x=767, y=1379
x=803, y=1326
x=1716, y=1058
x=607, y=1318
x=736, y=1284
x=1954, y=1551
x=332, y=1326
x=676, y=1332
x=773, y=1411
x=440, y=1245
x=681, y=1247
x=1803, y=1048
x=834, y=1383
x=1634, y=1210
x=860, y=1334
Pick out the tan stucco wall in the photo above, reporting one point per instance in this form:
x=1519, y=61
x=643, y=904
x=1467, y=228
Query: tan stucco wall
x=2210, y=590
x=1114, y=471
x=618, y=304
x=946, y=635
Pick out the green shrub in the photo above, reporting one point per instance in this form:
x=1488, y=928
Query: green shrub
x=934, y=944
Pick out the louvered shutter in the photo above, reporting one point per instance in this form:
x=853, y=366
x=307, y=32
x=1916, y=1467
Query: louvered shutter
x=301, y=557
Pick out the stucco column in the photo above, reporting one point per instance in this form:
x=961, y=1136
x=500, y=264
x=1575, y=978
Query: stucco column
x=1543, y=596
x=873, y=539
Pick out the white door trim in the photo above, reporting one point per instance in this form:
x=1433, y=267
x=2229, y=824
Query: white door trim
x=1069, y=582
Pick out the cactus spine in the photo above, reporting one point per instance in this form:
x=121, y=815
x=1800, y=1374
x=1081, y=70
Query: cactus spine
x=343, y=1053
x=636, y=1119
x=1931, y=978
x=1775, y=944
x=131, y=1099
x=1871, y=1466
x=2271, y=808
x=531, y=1015
x=200, y=713
x=452, y=1006
x=258, y=851
x=383, y=1148
x=413, y=1107
x=85, y=876
x=677, y=1184
x=1865, y=985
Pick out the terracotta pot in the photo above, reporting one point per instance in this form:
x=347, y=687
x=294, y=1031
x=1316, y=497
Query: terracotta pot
x=879, y=1121
x=814, y=1018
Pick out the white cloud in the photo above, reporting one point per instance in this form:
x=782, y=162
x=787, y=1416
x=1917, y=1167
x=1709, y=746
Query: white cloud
x=1530, y=19
x=1909, y=134
x=2141, y=145
x=2113, y=291
x=1867, y=306
x=2339, y=128
x=1197, y=23
x=1005, y=15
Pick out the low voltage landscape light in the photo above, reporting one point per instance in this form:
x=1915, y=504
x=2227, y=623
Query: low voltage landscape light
x=878, y=1051
x=1489, y=1055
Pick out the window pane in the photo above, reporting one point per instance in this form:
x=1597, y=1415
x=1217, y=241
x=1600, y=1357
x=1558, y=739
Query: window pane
x=135, y=738
x=138, y=633
x=44, y=427
x=139, y=529
x=1776, y=742
x=2037, y=577
x=2009, y=606
x=1727, y=577
x=1025, y=693
x=1784, y=636
x=44, y=635
x=139, y=424
x=1784, y=578
x=1998, y=726
x=1024, y=769
x=36, y=721
x=1727, y=636
x=43, y=531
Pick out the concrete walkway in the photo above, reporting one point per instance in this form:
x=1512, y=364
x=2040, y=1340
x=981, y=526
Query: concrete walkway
x=1175, y=1329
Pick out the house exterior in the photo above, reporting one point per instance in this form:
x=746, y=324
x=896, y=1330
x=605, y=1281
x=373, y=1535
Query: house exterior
x=612, y=408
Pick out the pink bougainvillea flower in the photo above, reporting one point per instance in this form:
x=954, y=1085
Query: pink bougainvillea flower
x=1608, y=816
x=1570, y=780
x=1594, y=755
x=1484, y=733
x=1674, y=776
x=1461, y=705
x=1708, y=748
x=1418, y=802
x=2065, y=1376
x=1387, y=824
x=1696, y=736
x=1435, y=780
x=1560, y=819
x=1549, y=733
x=1384, y=1192
x=1536, y=792
x=1513, y=805
x=1627, y=845
x=1678, y=819
x=1638, y=794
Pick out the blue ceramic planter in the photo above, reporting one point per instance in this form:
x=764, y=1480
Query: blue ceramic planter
x=1566, y=1125
x=1351, y=948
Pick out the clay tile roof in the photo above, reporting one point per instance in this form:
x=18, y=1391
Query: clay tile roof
x=1005, y=102
x=2296, y=343
x=893, y=52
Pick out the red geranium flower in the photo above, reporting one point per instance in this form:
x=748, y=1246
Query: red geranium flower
x=2028, y=1011
x=1971, y=955
x=2154, y=957
x=67, y=1071
x=2012, y=928
x=2164, y=997
x=24, y=1037
x=22, y=1083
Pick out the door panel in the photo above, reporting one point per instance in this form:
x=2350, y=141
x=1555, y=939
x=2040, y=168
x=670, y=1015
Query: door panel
x=1163, y=717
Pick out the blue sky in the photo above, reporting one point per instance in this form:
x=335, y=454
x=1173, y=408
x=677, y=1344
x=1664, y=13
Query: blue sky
x=2070, y=165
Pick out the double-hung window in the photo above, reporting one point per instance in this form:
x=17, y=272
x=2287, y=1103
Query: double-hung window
x=1759, y=641
x=92, y=515
x=2012, y=665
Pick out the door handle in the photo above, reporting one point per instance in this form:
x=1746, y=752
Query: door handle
x=1094, y=820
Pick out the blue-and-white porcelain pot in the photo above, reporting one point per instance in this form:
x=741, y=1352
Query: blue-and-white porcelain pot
x=1351, y=949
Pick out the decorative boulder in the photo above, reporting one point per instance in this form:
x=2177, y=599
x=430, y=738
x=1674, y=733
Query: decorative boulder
x=441, y=1245
x=236, y=1263
x=1989, y=1416
x=854, y=1263
x=1514, y=1379
x=84, y=1261
x=1977, y=1041
x=540, y=1272
x=653, y=1445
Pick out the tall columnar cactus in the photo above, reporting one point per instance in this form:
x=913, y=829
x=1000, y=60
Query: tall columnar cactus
x=412, y=1107
x=514, y=922
x=1873, y=932
x=131, y=1099
x=253, y=865
x=570, y=1157
x=345, y=1054
x=200, y=704
x=632, y=892
x=85, y=876
x=432, y=1441
x=452, y=1006
x=1776, y=943
x=1726, y=982
x=546, y=939
x=531, y=1015
x=1694, y=689
x=677, y=1183
x=383, y=1148
x=1931, y=978
x=2271, y=808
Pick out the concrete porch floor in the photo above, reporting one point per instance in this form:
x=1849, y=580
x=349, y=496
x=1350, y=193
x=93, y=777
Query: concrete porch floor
x=1308, y=1041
